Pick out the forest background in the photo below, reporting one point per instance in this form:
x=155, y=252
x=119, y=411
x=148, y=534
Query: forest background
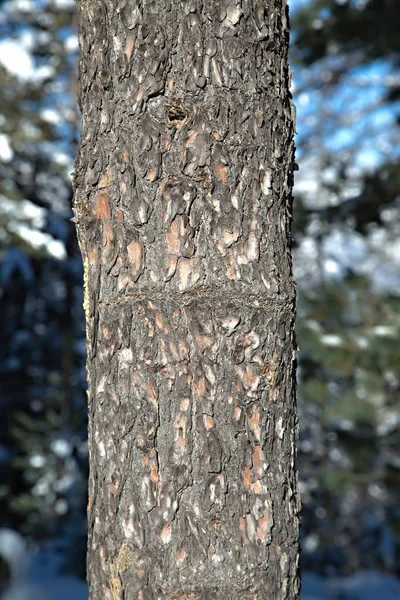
x=345, y=57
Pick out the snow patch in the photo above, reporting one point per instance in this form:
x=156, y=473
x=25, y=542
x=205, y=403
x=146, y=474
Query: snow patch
x=51, y=116
x=16, y=59
x=71, y=43
x=6, y=152
x=332, y=340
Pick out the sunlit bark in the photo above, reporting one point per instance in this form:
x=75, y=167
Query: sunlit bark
x=182, y=200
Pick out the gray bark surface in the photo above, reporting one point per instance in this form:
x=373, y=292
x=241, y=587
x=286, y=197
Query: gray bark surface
x=183, y=206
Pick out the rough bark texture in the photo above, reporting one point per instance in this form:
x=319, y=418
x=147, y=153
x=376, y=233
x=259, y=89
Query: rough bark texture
x=182, y=201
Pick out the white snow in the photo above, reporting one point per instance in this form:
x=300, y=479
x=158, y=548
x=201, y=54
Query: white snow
x=37, y=461
x=71, y=43
x=311, y=542
x=64, y=4
x=389, y=422
x=40, y=240
x=21, y=6
x=38, y=579
x=330, y=339
x=23, y=210
x=51, y=116
x=21, y=591
x=35, y=580
x=61, y=507
x=16, y=59
x=63, y=159
x=43, y=72
x=61, y=447
x=6, y=152
x=366, y=585
x=332, y=267
x=56, y=249
x=384, y=331
x=36, y=214
x=14, y=550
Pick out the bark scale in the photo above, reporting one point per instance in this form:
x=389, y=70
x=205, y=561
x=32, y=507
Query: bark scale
x=182, y=201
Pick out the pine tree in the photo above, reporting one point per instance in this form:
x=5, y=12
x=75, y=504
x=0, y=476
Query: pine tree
x=182, y=202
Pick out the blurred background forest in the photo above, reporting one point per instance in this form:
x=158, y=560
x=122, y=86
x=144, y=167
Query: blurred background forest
x=346, y=62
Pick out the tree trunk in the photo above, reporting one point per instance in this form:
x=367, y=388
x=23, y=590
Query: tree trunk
x=182, y=201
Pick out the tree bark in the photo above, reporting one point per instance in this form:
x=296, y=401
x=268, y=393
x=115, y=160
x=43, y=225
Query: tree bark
x=183, y=207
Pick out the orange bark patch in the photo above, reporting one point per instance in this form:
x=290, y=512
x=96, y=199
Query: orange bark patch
x=108, y=235
x=247, y=477
x=154, y=470
x=102, y=207
x=173, y=238
x=183, y=348
x=154, y=473
x=119, y=215
x=237, y=412
x=192, y=137
x=123, y=282
x=167, y=144
x=160, y=321
x=216, y=523
x=222, y=173
x=254, y=423
x=166, y=533
x=275, y=393
x=105, y=180
x=151, y=392
x=203, y=341
x=229, y=237
x=184, y=405
x=180, y=557
x=128, y=48
x=112, y=488
x=188, y=272
x=140, y=440
x=152, y=175
x=256, y=487
x=93, y=254
x=250, y=379
x=208, y=422
x=171, y=267
x=174, y=351
x=180, y=442
x=257, y=459
x=262, y=528
x=200, y=387
x=135, y=254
